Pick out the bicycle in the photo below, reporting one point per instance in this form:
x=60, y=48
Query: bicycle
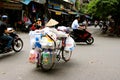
x=48, y=57
x=66, y=55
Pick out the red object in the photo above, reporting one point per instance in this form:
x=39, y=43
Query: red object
x=33, y=28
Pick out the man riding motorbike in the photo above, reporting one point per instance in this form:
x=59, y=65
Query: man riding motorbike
x=77, y=28
x=4, y=35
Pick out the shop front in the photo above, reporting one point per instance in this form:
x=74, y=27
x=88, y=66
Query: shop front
x=60, y=16
x=31, y=11
x=34, y=9
x=12, y=10
x=56, y=12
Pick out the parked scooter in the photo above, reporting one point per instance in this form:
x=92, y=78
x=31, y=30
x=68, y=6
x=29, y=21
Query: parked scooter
x=17, y=43
x=85, y=37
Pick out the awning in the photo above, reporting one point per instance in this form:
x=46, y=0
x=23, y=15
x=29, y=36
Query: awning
x=14, y=6
x=68, y=1
x=40, y=1
x=58, y=12
x=26, y=2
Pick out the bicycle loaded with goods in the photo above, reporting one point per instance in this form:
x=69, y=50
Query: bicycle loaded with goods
x=49, y=50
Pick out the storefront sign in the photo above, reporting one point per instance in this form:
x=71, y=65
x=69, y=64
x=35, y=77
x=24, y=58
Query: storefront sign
x=10, y=6
x=58, y=13
x=54, y=5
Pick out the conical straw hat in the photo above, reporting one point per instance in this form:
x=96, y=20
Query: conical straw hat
x=51, y=23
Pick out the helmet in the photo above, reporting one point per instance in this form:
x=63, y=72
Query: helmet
x=4, y=16
x=38, y=19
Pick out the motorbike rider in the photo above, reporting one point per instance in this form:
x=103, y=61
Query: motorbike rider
x=4, y=36
x=96, y=23
x=36, y=24
x=77, y=28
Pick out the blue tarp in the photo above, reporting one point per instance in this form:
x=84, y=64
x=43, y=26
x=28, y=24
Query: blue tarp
x=26, y=2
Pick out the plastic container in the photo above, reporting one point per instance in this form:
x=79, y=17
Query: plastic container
x=48, y=57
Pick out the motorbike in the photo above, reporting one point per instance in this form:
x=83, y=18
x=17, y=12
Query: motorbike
x=104, y=28
x=100, y=24
x=17, y=43
x=86, y=37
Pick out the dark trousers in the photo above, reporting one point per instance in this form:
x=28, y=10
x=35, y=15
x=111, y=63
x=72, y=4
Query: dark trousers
x=77, y=32
x=8, y=38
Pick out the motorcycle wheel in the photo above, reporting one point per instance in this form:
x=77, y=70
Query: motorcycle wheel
x=66, y=55
x=17, y=45
x=44, y=66
x=90, y=40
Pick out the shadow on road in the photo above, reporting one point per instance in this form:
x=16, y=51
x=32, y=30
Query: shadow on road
x=6, y=55
x=59, y=66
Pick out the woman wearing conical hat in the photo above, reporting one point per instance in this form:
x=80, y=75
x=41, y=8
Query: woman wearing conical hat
x=51, y=25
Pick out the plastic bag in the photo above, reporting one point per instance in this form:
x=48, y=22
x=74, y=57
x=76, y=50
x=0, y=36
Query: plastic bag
x=48, y=57
x=33, y=36
x=33, y=56
x=47, y=43
x=70, y=44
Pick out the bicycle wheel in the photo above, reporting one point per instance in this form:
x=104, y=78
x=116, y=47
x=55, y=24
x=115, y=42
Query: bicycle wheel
x=66, y=55
x=45, y=64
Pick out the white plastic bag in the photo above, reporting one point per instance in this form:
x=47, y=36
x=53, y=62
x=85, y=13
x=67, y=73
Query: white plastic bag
x=33, y=35
x=70, y=44
x=47, y=43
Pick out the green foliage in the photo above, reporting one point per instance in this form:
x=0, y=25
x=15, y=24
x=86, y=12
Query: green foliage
x=102, y=8
x=84, y=8
x=77, y=5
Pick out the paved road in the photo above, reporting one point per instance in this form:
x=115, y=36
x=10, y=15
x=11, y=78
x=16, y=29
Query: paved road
x=99, y=61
